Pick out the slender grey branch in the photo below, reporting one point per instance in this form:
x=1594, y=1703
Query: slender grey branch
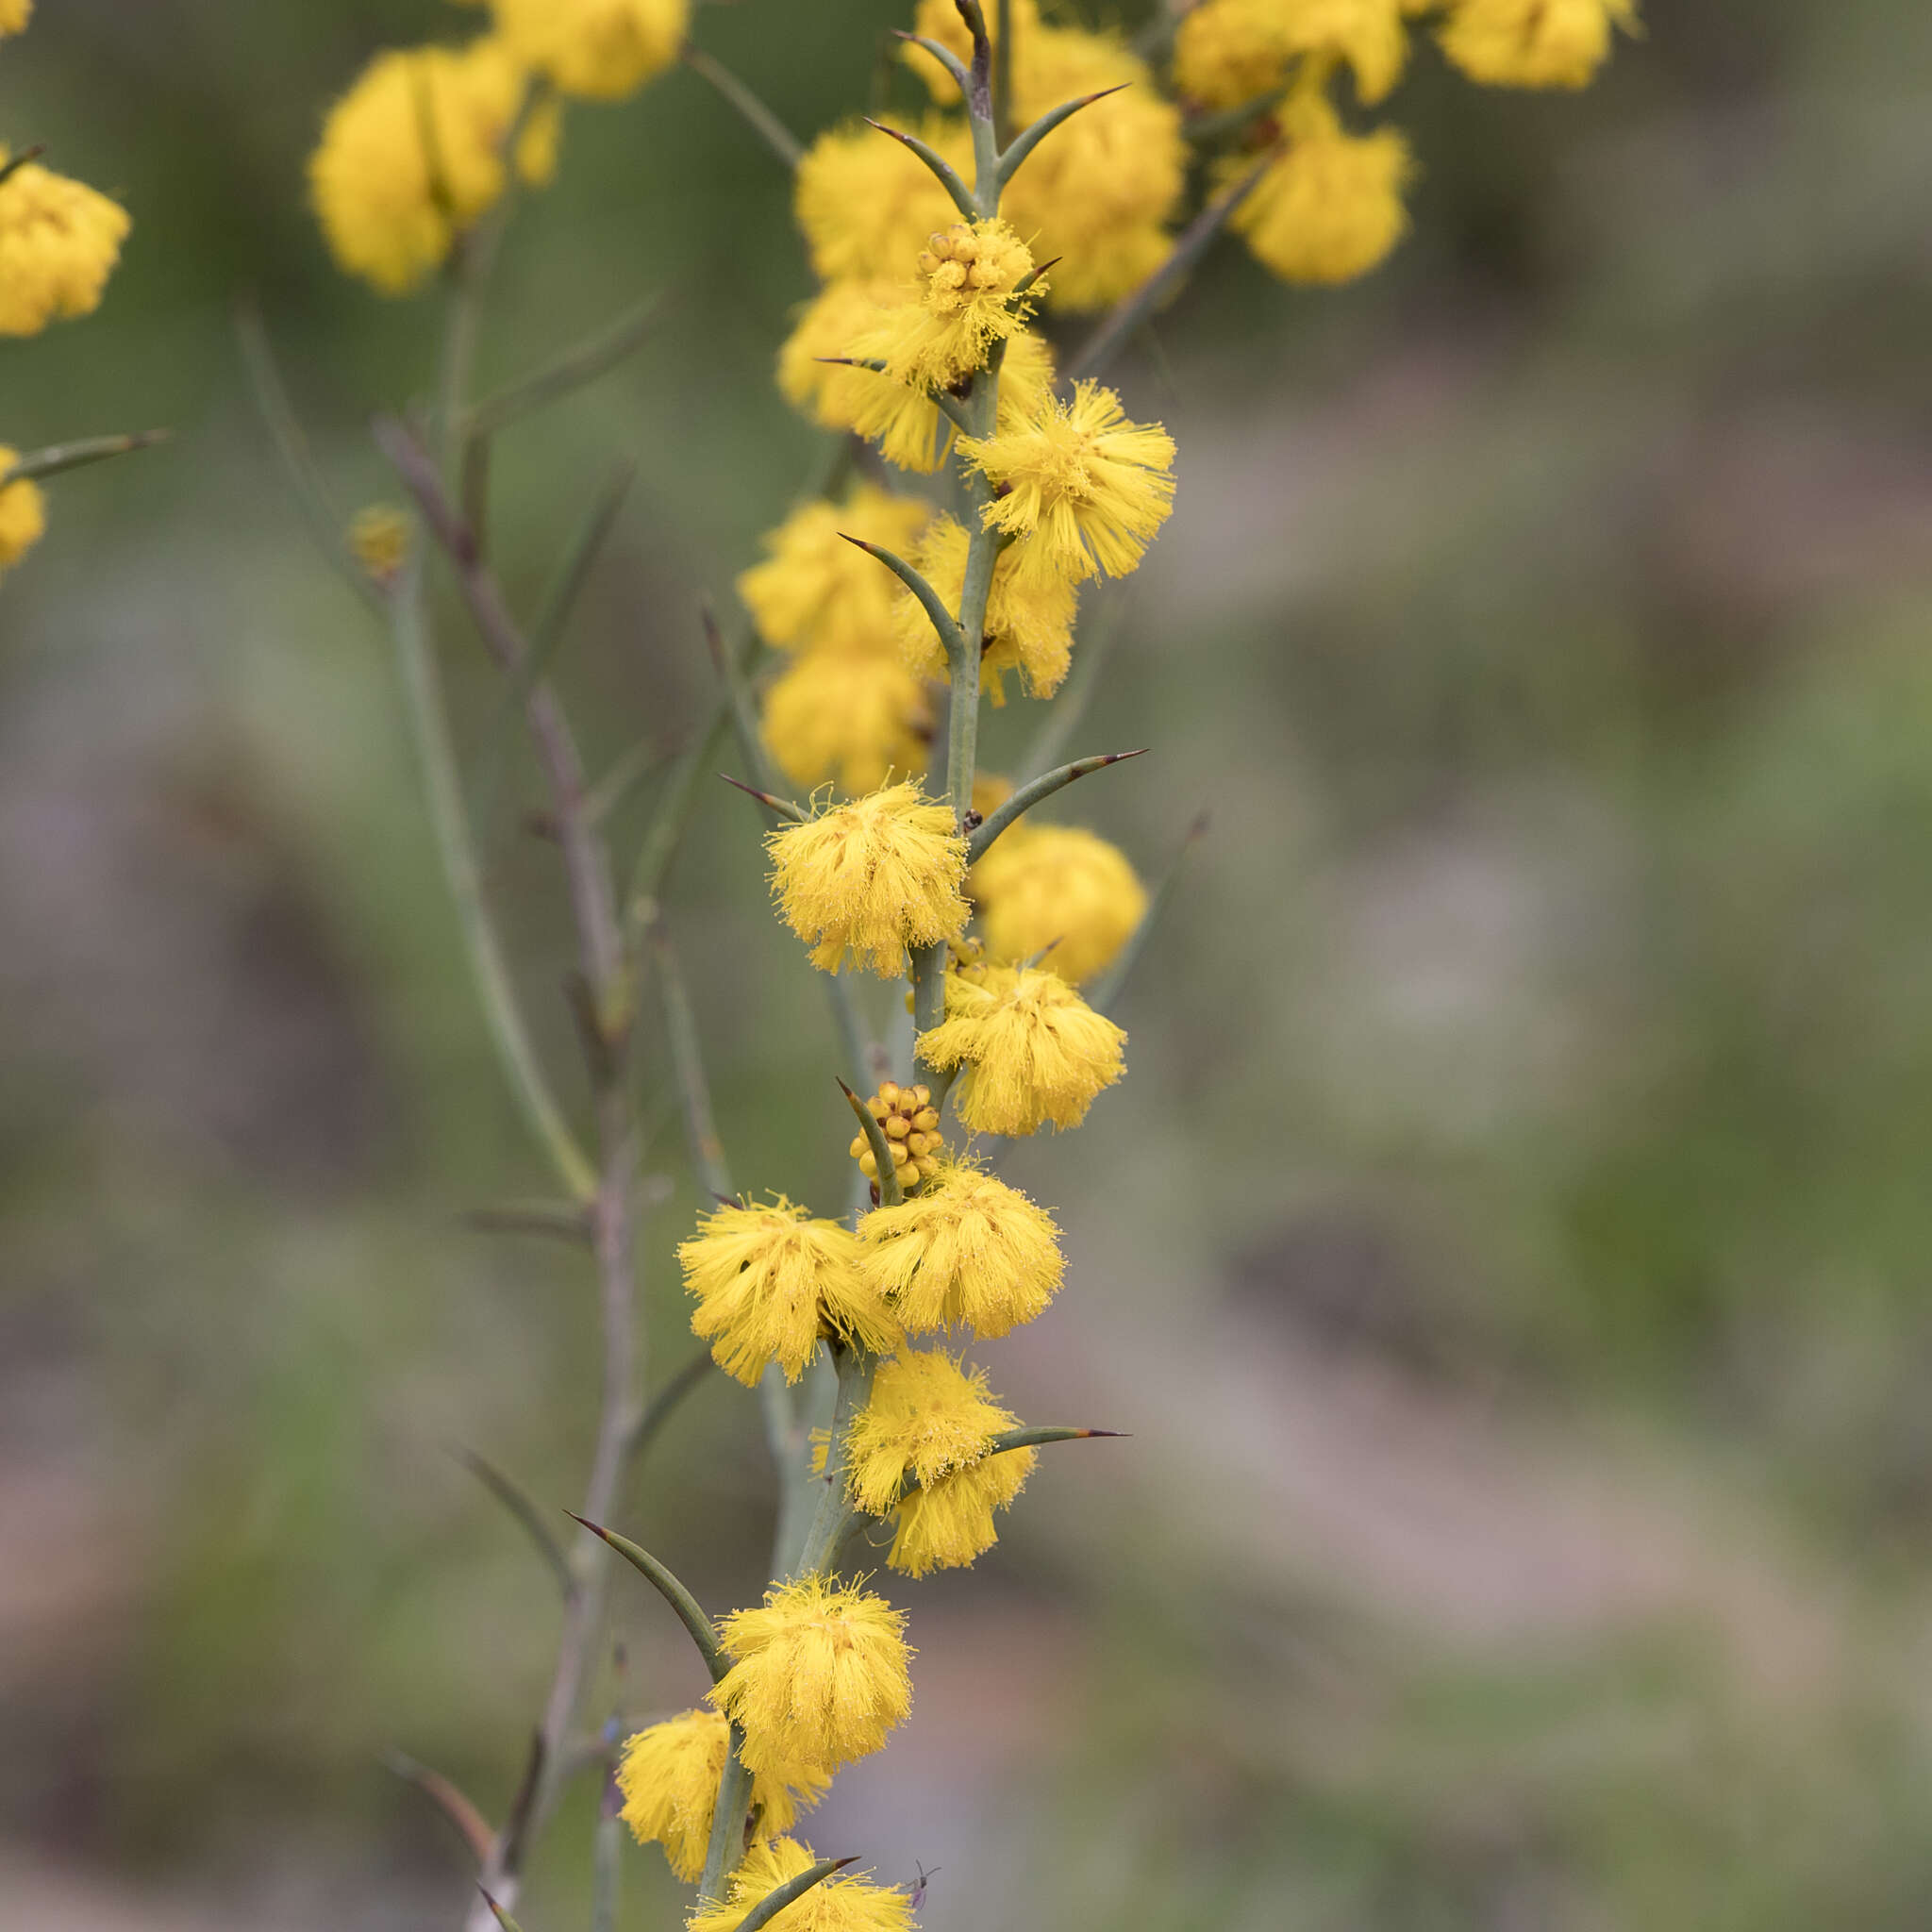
x=523, y=1507
x=1029, y=795
x=593, y=356
x=1133, y=309
x=1106, y=990
x=658, y=1411
x=447, y=1799
x=759, y=118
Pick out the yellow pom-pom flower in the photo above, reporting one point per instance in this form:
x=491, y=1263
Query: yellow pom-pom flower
x=769, y=1281
x=818, y=1674
x=1534, y=42
x=668, y=1778
x=599, y=50
x=839, y=1904
x=1329, y=206
x=14, y=15
x=1029, y=622
x=59, y=241
x=1032, y=1049
x=814, y=591
x=931, y=1419
x=1084, y=489
x=413, y=153
x=1060, y=891
x=970, y=273
x=867, y=203
x=872, y=878
x=966, y=1252
x=22, y=514
x=1228, y=52
x=1094, y=196
x=848, y=717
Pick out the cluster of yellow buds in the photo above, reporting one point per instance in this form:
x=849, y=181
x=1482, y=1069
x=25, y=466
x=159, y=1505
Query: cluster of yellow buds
x=910, y=1124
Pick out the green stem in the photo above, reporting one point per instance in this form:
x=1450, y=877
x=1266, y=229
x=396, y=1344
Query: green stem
x=726, y=1846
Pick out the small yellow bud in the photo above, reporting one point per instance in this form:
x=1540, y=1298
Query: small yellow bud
x=887, y=1098
x=858, y=1146
x=869, y=1165
x=925, y=1121
x=897, y=1126
x=900, y=1156
x=916, y=1144
x=928, y=1165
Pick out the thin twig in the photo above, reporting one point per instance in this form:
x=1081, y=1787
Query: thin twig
x=758, y=117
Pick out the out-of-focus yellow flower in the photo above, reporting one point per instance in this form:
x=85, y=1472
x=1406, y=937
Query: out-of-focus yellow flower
x=872, y=878
x=769, y=1281
x=1059, y=891
x=600, y=50
x=1094, y=196
x=839, y=1904
x=1029, y=622
x=59, y=241
x=379, y=541
x=413, y=153
x=816, y=592
x=22, y=513
x=933, y=1420
x=867, y=203
x=1228, y=52
x=668, y=1778
x=14, y=15
x=850, y=717
x=1534, y=42
x=1328, y=207
x=970, y=273
x=940, y=20
x=818, y=1674
x=1032, y=1049
x=1083, y=489
x=966, y=1252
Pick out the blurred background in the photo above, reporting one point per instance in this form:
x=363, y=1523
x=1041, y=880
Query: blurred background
x=1508, y=1251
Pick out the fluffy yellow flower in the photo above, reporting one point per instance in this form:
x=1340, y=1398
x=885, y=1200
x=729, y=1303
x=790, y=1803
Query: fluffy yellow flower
x=1085, y=490
x=1534, y=42
x=1094, y=196
x=1228, y=52
x=59, y=241
x=1033, y=1050
x=971, y=271
x=600, y=50
x=668, y=1777
x=867, y=203
x=22, y=514
x=966, y=1252
x=14, y=15
x=1060, y=890
x=850, y=717
x=769, y=1281
x=932, y=1419
x=1029, y=624
x=872, y=878
x=413, y=153
x=817, y=591
x=1329, y=206
x=907, y=424
x=841, y=1904
x=818, y=1674
x=829, y=325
